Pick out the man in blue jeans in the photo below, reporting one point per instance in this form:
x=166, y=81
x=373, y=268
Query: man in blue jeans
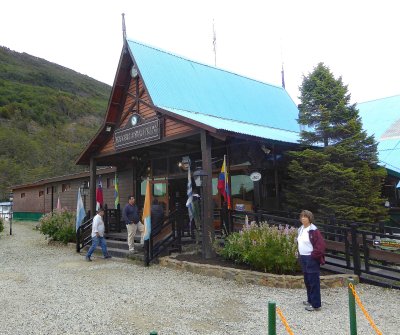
x=98, y=236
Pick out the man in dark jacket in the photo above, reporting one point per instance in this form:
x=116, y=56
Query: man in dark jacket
x=157, y=216
x=130, y=215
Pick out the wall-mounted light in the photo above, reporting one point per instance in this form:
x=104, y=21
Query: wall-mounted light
x=265, y=149
x=84, y=188
x=185, y=163
x=199, y=176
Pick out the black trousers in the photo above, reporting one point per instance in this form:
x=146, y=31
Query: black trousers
x=311, y=271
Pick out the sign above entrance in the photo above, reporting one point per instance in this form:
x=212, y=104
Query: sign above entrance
x=137, y=132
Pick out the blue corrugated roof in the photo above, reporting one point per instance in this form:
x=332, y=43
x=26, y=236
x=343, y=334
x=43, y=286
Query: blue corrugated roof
x=178, y=84
x=240, y=127
x=381, y=118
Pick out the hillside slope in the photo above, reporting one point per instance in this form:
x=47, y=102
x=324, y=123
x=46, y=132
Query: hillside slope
x=48, y=113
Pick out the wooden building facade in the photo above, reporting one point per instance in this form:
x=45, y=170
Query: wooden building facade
x=165, y=111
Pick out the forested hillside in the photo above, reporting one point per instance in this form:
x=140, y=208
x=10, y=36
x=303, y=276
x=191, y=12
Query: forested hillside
x=48, y=113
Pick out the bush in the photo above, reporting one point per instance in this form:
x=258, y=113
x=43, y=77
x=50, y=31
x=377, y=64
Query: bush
x=1, y=225
x=59, y=225
x=264, y=248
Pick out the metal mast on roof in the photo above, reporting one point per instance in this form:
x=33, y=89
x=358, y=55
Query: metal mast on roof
x=283, y=76
x=123, y=28
x=282, y=71
x=215, y=45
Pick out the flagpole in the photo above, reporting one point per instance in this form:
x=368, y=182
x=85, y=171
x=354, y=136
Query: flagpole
x=215, y=45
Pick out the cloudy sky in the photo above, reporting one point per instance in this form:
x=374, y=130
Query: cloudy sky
x=358, y=40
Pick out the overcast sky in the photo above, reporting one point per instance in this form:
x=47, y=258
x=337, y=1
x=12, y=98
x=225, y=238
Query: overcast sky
x=358, y=40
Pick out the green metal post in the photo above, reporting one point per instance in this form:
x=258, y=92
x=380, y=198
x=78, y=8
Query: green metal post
x=271, y=318
x=352, y=310
x=153, y=333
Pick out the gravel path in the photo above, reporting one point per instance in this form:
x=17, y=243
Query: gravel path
x=48, y=289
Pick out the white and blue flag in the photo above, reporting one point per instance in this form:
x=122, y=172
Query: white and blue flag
x=80, y=210
x=189, y=202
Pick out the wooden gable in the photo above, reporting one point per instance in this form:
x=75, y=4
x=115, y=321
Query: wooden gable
x=138, y=101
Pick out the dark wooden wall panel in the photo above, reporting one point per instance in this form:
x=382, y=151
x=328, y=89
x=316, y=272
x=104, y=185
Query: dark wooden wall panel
x=173, y=127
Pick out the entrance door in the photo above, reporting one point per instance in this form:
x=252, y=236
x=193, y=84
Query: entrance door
x=168, y=192
x=177, y=191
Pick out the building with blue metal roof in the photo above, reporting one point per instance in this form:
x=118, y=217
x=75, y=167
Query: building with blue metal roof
x=216, y=97
x=381, y=118
x=167, y=113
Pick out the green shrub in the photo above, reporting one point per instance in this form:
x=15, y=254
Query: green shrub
x=1, y=225
x=59, y=225
x=269, y=249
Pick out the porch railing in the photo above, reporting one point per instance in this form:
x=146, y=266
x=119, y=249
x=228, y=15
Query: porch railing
x=164, y=237
x=351, y=246
x=84, y=234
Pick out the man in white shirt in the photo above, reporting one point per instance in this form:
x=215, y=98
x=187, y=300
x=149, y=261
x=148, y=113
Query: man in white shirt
x=98, y=236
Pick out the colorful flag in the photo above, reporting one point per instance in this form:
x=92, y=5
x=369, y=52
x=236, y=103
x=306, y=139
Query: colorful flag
x=147, y=212
x=189, y=202
x=80, y=210
x=99, y=195
x=58, y=203
x=223, y=184
x=116, y=191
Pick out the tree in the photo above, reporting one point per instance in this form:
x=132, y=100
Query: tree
x=337, y=172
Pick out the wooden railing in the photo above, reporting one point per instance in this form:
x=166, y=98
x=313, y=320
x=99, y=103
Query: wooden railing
x=350, y=245
x=84, y=234
x=164, y=236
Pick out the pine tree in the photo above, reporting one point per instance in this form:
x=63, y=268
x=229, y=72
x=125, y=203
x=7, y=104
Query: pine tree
x=337, y=173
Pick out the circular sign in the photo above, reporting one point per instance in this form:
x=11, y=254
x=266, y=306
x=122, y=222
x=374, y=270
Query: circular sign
x=255, y=176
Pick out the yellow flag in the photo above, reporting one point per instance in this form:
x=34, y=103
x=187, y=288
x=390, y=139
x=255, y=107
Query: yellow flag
x=147, y=212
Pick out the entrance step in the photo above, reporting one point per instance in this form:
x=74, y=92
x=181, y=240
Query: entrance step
x=119, y=249
x=122, y=245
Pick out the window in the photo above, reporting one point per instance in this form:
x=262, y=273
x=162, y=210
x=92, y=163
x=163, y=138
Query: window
x=110, y=182
x=242, y=191
x=48, y=190
x=65, y=187
x=22, y=195
x=41, y=193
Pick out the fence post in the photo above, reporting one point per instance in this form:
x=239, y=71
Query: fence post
x=146, y=246
x=106, y=219
x=352, y=309
x=78, y=239
x=179, y=226
x=356, y=249
x=271, y=318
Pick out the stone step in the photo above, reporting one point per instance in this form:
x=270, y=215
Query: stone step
x=118, y=249
x=123, y=245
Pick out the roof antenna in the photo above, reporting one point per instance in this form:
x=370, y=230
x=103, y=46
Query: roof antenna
x=123, y=28
x=215, y=45
x=282, y=71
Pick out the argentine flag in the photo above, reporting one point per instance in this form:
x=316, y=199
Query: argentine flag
x=80, y=210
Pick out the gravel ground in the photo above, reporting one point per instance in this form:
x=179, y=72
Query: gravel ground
x=50, y=289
